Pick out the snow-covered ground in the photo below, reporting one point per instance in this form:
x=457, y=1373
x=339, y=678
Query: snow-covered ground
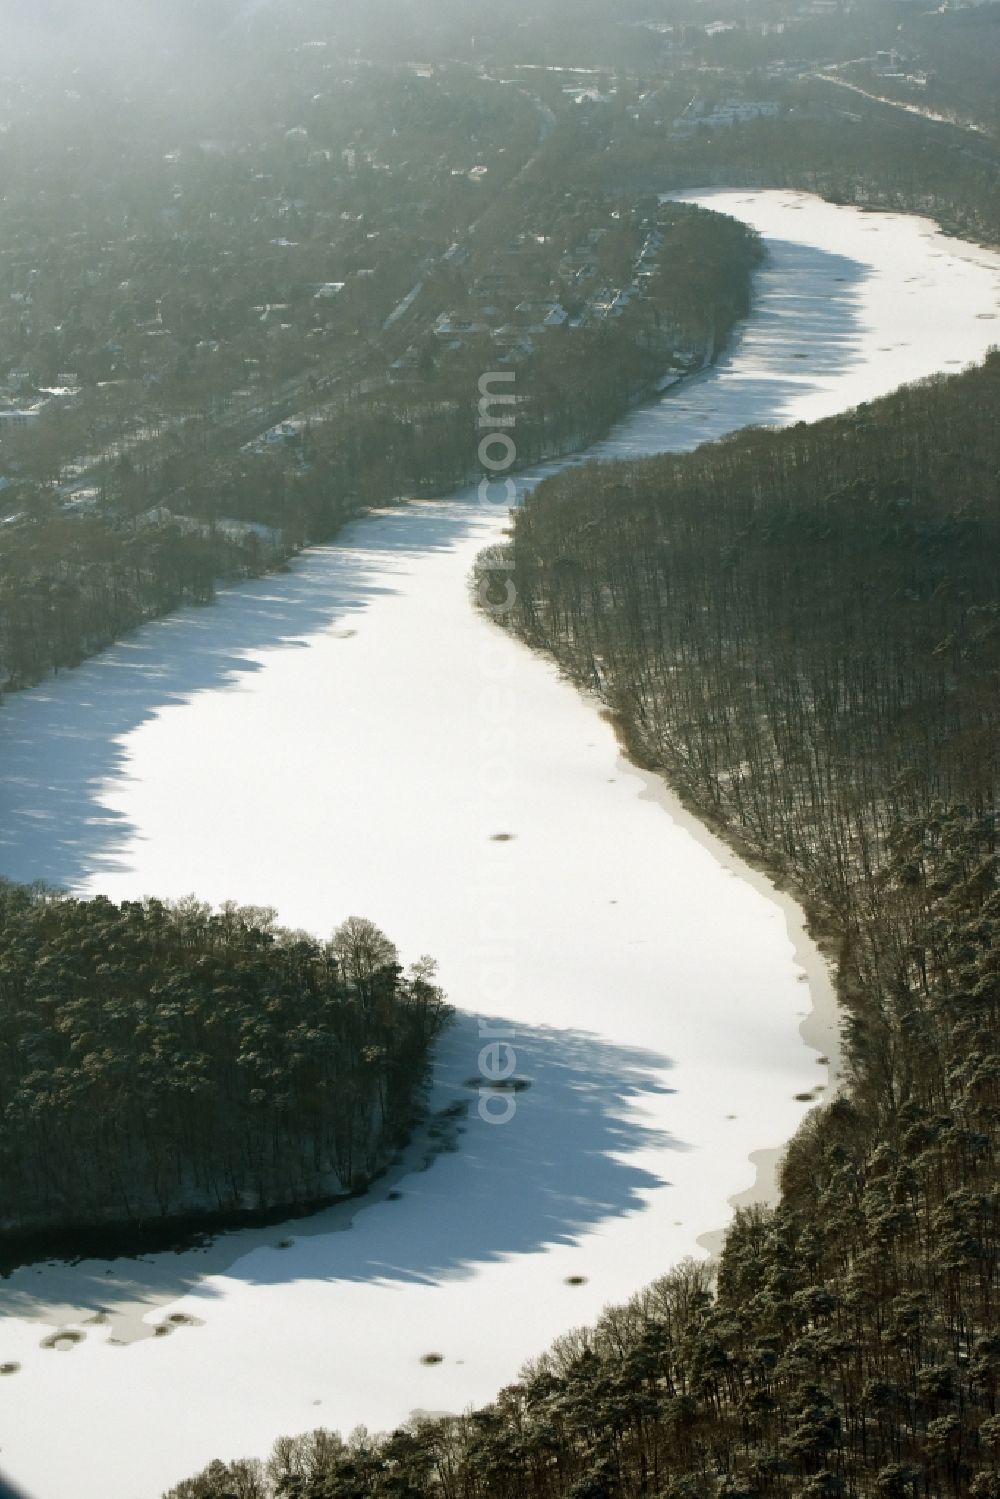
x=352, y=737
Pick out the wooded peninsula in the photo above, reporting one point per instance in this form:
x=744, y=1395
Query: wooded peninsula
x=161, y=1060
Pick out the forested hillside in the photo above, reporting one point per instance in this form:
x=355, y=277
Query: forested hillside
x=158, y=1059
x=803, y=627
x=801, y=630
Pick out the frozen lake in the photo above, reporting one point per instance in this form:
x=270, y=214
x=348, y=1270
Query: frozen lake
x=350, y=737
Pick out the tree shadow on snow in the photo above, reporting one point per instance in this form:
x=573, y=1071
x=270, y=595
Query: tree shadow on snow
x=565, y=1162
x=61, y=743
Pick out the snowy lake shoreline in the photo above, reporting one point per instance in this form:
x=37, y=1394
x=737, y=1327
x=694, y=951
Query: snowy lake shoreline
x=654, y=985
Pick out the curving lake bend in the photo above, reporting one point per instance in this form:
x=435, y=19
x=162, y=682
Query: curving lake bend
x=333, y=740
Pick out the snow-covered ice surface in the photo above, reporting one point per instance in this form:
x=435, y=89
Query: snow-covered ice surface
x=351, y=737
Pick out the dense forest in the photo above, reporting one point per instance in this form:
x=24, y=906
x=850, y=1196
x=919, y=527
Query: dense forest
x=159, y=1059
x=71, y=585
x=801, y=629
